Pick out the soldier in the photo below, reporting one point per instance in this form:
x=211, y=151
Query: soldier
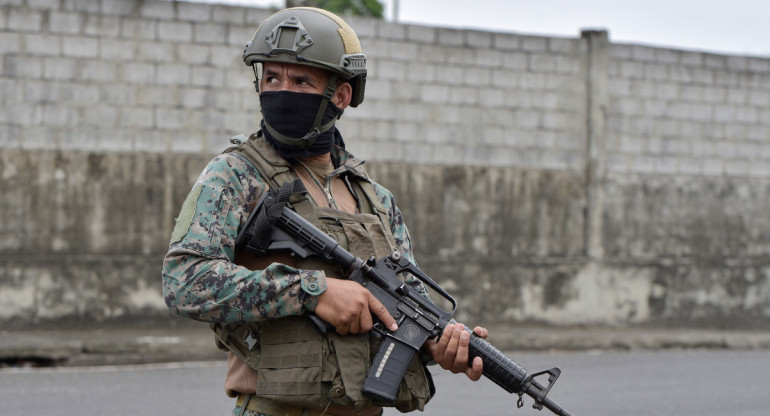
x=309, y=67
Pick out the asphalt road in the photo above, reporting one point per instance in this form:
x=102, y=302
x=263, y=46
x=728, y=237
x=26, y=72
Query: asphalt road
x=681, y=382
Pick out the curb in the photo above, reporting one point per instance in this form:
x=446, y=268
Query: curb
x=33, y=348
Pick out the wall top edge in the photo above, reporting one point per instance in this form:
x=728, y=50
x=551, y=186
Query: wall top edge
x=192, y=11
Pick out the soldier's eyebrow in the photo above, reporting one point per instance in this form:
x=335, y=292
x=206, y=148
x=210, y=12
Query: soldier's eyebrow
x=270, y=72
x=302, y=78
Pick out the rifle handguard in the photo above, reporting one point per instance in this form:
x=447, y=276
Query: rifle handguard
x=418, y=318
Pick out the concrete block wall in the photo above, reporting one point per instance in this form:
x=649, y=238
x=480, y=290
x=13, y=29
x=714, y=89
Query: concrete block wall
x=125, y=75
x=685, y=181
x=688, y=113
x=454, y=97
x=565, y=180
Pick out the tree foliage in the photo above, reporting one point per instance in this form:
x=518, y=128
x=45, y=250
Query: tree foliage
x=368, y=8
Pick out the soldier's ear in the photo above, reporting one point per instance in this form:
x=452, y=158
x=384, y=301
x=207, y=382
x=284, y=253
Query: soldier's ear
x=343, y=95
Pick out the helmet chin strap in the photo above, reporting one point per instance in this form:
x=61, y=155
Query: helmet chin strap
x=317, y=128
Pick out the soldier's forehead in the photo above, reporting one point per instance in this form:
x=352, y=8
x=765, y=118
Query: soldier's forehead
x=294, y=69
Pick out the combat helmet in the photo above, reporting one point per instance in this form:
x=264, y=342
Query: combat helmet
x=312, y=37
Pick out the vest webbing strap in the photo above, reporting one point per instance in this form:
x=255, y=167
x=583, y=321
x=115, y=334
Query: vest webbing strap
x=300, y=360
x=380, y=211
x=289, y=388
x=276, y=171
x=273, y=169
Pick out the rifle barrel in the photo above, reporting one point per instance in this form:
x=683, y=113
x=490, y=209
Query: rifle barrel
x=508, y=374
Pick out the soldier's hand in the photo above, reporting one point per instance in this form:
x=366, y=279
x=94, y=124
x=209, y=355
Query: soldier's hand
x=348, y=306
x=451, y=350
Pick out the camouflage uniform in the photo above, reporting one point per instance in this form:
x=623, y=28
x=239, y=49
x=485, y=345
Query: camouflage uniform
x=200, y=280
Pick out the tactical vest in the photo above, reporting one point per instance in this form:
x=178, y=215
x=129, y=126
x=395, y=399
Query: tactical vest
x=295, y=363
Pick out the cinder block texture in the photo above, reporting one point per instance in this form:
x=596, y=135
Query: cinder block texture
x=548, y=179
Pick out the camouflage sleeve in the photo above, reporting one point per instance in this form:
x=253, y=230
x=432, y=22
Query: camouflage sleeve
x=200, y=280
x=400, y=232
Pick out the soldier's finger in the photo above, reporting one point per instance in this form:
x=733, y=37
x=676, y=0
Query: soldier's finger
x=365, y=322
x=450, y=352
x=444, y=339
x=481, y=332
x=382, y=312
x=475, y=370
x=460, y=362
x=355, y=325
x=343, y=329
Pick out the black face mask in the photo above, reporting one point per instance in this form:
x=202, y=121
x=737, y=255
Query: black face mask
x=289, y=116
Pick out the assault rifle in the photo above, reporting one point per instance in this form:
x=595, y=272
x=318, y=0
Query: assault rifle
x=274, y=227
